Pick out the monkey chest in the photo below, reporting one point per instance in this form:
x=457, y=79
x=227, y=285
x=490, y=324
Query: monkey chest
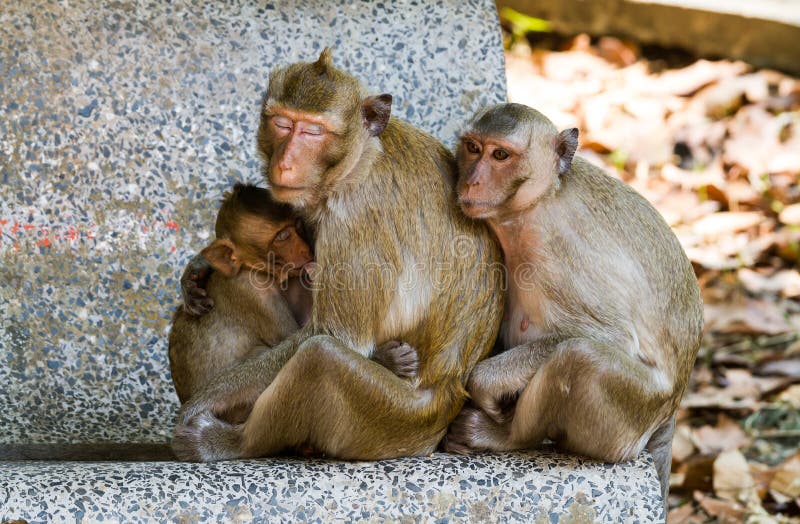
x=528, y=316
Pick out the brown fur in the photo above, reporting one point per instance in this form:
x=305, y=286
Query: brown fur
x=250, y=312
x=604, y=315
x=379, y=195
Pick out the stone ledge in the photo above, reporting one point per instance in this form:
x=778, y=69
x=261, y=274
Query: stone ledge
x=537, y=487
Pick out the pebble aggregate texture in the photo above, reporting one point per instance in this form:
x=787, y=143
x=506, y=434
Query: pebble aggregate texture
x=541, y=488
x=121, y=125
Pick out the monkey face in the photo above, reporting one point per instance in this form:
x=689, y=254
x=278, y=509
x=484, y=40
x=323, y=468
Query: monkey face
x=314, y=123
x=288, y=251
x=297, y=147
x=491, y=170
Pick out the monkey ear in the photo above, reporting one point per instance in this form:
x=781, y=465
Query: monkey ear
x=375, y=112
x=566, y=143
x=221, y=254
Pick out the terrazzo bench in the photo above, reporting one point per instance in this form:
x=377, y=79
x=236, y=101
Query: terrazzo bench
x=121, y=124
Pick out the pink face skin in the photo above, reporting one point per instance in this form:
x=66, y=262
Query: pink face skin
x=487, y=165
x=299, y=140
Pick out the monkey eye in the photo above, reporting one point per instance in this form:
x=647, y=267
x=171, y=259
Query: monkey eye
x=472, y=147
x=281, y=122
x=500, y=154
x=283, y=234
x=313, y=129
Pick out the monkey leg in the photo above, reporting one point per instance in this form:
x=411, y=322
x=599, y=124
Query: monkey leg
x=345, y=405
x=660, y=447
x=594, y=400
x=497, y=381
x=587, y=397
x=238, y=387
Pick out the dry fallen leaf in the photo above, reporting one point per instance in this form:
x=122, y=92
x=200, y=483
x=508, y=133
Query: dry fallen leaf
x=732, y=478
x=690, y=79
x=790, y=215
x=791, y=396
x=682, y=445
x=680, y=514
x=726, y=435
x=727, y=222
x=697, y=473
x=786, y=481
x=723, y=510
x=785, y=282
x=748, y=316
x=762, y=476
x=783, y=368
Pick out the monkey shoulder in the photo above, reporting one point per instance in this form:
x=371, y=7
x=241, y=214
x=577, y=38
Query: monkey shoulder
x=615, y=203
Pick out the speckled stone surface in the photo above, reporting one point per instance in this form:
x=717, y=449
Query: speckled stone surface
x=541, y=488
x=121, y=124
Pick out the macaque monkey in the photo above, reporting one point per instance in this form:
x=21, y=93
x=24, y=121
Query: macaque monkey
x=396, y=260
x=257, y=293
x=603, y=312
x=257, y=249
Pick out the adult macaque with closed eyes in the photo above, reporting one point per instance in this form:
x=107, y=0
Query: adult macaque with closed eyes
x=604, y=316
x=378, y=194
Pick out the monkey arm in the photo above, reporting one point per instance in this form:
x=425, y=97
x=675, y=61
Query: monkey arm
x=496, y=381
x=193, y=283
x=242, y=384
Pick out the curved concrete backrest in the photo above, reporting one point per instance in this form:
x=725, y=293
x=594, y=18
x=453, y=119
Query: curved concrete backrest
x=120, y=127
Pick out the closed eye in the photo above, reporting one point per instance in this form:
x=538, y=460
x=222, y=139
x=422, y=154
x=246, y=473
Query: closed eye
x=313, y=129
x=281, y=122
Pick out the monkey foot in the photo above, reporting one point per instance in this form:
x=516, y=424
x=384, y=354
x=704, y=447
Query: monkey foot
x=205, y=438
x=398, y=357
x=473, y=431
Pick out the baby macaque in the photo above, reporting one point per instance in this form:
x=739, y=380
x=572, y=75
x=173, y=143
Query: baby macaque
x=604, y=315
x=257, y=249
x=255, y=297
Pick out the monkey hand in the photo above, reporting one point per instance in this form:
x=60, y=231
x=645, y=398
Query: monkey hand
x=473, y=431
x=193, y=281
x=398, y=357
x=494, y=387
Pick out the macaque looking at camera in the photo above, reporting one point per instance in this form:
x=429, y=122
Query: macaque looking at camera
x=603, y=313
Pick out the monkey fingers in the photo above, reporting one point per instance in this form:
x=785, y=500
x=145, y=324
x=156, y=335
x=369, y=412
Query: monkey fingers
x=195, y=299
x=193, y=282
x=398, y=357
x=496, y=382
